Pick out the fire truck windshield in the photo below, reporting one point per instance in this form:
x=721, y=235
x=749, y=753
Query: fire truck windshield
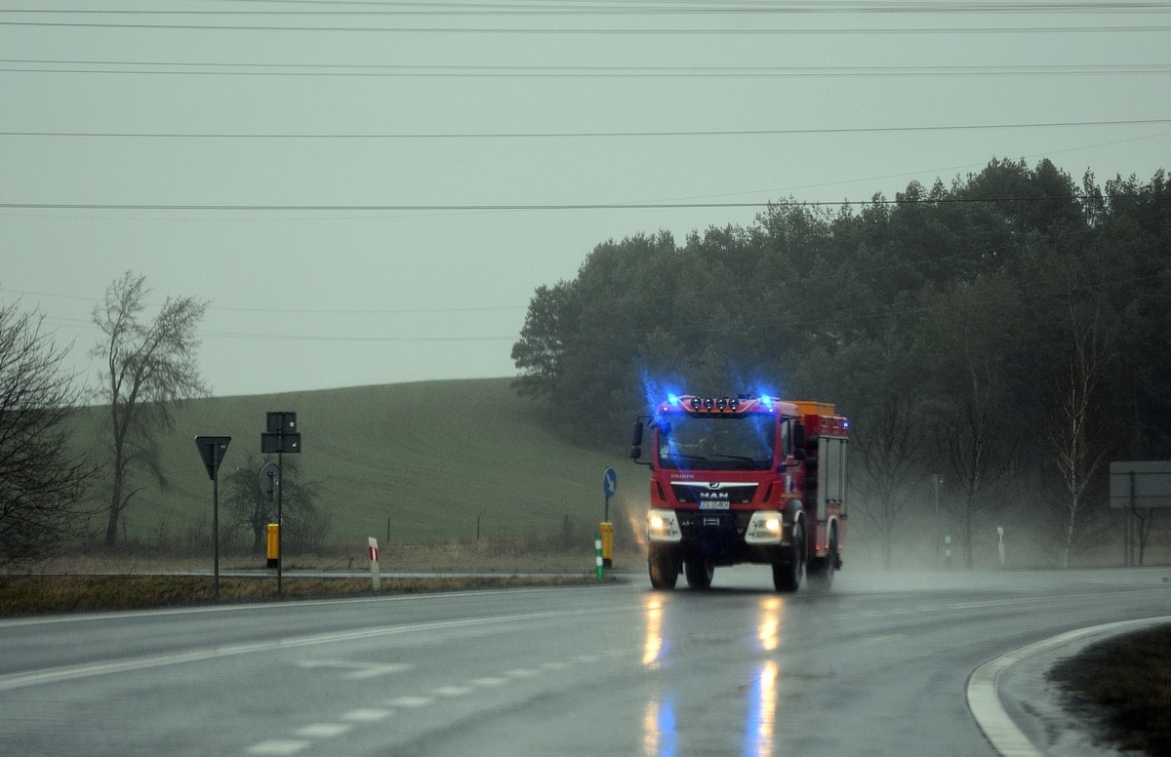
x=715, y=442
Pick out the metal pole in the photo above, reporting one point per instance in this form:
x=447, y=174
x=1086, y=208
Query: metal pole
x=215, y=525
x=937, y=478
x=280, y=520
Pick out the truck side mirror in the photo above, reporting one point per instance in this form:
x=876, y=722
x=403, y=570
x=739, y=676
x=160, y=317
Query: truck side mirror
x=799, y=441
x=635, y=452
x=636, y=436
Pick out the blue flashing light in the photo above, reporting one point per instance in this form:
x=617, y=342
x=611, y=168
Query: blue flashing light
x=673, y=398
x=766, y=400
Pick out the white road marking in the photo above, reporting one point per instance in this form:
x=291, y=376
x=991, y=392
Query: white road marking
x=523, y=673
x=984, y=699
x=554, y=665
x=410, y=702
x=452, y=691
x=87, y=670
x=323, y=730
x=358, y=670
x=484, y=682
x=277, y=747
x=366, y=716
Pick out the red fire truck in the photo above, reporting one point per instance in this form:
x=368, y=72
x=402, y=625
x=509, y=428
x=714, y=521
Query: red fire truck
x=744, y=480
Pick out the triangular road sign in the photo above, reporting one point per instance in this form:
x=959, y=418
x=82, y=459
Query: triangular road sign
x=212, y=450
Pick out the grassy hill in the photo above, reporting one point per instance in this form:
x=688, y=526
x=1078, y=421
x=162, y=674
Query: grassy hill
x=430, y=458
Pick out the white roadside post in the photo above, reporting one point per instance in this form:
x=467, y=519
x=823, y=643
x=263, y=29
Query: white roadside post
x=1000, y=543
x=375, y=579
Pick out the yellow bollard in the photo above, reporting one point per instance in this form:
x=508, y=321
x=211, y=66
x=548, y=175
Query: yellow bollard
x=607, y=544
x=274, y=550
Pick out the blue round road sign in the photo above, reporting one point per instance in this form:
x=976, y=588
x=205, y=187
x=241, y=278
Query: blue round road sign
x=610, y=482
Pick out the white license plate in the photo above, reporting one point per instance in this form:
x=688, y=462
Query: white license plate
x=714, y=505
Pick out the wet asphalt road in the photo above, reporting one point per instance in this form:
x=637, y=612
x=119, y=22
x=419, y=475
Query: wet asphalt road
x=876, y=666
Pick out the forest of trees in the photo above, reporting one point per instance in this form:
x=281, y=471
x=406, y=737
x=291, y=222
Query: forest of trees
x=999, y=340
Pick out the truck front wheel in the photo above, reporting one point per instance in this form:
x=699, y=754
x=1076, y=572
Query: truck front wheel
x=664, y=569
x=789, y=574
x=699, y=573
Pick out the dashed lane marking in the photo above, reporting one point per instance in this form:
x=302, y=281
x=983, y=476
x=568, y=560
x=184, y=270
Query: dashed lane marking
x=277, y=747
x=323, y=730
x=283, y=748
x=411, y=702
x=523, y=673
x=366, y=716
x=356, y=670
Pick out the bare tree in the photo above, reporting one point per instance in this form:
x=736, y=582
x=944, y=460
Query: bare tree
x=41, y=478
x=305, y=522
x=888, y=435
x=977, y=445
x=1076, y=451
x=149, y=364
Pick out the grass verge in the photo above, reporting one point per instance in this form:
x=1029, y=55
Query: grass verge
x=1124, y=684
x=39, y=595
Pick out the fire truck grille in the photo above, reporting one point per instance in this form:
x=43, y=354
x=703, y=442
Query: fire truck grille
x=700, y=495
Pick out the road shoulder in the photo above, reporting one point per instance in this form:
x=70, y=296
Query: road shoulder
x=1023, y=714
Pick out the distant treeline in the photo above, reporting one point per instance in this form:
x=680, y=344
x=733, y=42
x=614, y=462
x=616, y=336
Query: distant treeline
x=997, y=341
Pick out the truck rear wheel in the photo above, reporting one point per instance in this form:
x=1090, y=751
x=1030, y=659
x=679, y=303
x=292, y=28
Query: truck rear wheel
x=821, y=575
x=699, y=573
x=664, y=569
x=789, y=574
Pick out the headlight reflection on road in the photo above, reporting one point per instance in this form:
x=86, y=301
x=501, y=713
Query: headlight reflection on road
x=762, y=712
x=653, y=647
x=768, y=629
x=659, y=738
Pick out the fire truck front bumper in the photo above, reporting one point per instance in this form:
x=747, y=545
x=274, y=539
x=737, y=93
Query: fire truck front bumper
x=724, y=537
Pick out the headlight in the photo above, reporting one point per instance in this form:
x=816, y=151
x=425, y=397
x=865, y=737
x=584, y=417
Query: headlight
x=767, y=527
x=661, y=525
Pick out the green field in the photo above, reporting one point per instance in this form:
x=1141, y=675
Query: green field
x=431, y=462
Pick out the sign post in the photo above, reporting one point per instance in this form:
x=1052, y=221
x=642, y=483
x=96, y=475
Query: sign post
x=609, y=486
x=281, y=437
x=1139, y=487
x=212, y=450
x=269, y=483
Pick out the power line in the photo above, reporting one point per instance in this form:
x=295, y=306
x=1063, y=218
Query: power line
x=160, y=68
x=582, y=134
x=601, y=31
x=301, y=310
x=763, y=204
x=567, y=9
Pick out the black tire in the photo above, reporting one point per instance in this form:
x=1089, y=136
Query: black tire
x=789, y=574
x=821, y=575
x=664, y=570
x=699, y=573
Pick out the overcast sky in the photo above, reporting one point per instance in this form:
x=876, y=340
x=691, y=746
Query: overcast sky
x=370, y=192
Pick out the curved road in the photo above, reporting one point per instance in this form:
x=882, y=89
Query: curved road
x=879, y=665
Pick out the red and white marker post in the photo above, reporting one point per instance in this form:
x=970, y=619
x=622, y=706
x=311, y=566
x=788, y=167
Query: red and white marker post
x=375, y=579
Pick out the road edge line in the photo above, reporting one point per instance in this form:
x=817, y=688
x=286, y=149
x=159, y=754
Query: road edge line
x=984, y=697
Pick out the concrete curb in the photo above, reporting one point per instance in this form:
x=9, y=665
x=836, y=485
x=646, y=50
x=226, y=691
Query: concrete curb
x=984, y=698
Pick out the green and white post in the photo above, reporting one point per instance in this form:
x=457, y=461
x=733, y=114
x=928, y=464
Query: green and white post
x=598, y=553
